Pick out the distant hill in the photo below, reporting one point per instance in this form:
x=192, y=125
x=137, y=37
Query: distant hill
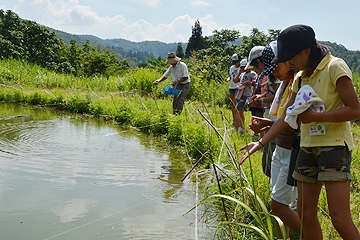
x=137, y=51
x=124, y=48
x=352, y=58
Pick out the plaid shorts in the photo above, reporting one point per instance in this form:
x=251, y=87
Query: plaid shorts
x=319, y=164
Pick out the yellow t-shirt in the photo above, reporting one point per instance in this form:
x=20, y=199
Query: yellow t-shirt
x=285, y=98
x=323, y=81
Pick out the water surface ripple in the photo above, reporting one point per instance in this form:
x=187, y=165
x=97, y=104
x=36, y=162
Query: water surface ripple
x=68, y=178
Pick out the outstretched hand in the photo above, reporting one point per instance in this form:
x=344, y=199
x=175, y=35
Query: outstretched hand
x=259, y=124
x=250, y=148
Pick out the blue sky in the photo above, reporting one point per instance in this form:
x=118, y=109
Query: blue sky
x=171, y=21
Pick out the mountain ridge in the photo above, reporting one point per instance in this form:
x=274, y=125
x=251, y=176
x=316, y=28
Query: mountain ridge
x=138, y=51
x=156, y=48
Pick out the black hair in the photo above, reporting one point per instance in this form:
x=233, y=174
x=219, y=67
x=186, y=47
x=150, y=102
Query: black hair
x=317, y=53
x=272, y=78
x=255, y=62
x=292, y=71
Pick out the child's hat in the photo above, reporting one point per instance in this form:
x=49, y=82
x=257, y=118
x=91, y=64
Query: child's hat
x=235, y=58
x=255, y=52
x=293, y=40
x=269, y=58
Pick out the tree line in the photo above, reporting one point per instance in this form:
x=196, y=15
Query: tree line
x=27, y=40
x=207, y=56
x=224, y=43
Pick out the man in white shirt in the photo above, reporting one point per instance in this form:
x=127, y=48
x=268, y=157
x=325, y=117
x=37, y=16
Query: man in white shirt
x=181, y=80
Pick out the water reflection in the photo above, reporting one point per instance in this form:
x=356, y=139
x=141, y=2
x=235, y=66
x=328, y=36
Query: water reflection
x=67, y=178
x=73, y=209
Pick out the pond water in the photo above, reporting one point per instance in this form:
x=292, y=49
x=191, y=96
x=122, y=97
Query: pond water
x=63, y=177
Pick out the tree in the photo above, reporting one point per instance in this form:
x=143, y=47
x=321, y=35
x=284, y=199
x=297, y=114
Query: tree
x=180, y=51
x=196, y=41
x=257, y=38
x=213, y=62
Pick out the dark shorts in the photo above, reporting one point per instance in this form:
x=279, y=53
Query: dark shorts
x=323, y=164
x=232, y=91
x=240, y=103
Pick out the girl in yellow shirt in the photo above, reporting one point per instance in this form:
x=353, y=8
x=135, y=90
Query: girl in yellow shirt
x=325, y=156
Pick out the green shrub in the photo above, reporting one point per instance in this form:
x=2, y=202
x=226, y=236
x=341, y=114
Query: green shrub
x=142, y=121
x=140, y=79
x=96, y=109
x=7, y=77
x=160, y=124
x=77, y=105
x=197, y=140
x=175, y=131
x=14, y=95
x=37, y=99
x=123, y=114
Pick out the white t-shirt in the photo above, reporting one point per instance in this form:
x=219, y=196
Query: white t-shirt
x=179, y=71
x=234, y=71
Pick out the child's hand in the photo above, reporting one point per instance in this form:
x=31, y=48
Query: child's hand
x=249, y=149
x=308, y=116
x=259, y=124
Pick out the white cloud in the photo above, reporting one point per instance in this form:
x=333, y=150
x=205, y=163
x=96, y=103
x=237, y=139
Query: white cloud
x=150, y=3
x=200, y=3
x=72, y=17
x=73, y=209
x=244, y=29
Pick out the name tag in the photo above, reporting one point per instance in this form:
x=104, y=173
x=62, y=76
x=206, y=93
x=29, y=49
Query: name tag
x=317, y=129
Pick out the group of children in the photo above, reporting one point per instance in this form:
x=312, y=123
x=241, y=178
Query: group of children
x=286, y=69
x=240, y=89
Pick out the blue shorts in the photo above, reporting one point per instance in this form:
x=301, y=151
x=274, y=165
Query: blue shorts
x=232, y=91
x=240, y=104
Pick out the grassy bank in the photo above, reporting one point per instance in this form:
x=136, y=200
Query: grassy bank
x=200, y=131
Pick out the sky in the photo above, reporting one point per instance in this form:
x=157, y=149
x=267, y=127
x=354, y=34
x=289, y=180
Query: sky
x=171, y=21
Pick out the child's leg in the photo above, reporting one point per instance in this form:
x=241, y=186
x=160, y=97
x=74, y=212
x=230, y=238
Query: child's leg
x=242, y=119
x=288, y=216
x=338, y=196
x=235, y=112
x=308, y=196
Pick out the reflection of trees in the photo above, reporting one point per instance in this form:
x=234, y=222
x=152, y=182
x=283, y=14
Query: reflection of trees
x=174, y=185
x=176, y=171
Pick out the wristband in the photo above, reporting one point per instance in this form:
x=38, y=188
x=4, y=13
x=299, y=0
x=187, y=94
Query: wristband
x=263, y=101
x=262, y=145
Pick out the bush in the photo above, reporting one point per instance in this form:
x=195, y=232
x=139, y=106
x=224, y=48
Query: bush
x=14, y=95
x=142, y=121
x=140, y=79
x=123, y=114
x=78, y=105
x=175, y=131
x=37, y=99
x=160, y=124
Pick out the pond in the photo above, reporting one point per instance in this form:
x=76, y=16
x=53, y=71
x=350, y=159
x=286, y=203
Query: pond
x=66, y=177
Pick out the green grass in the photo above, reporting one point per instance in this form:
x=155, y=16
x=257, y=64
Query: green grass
x=200, y=131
